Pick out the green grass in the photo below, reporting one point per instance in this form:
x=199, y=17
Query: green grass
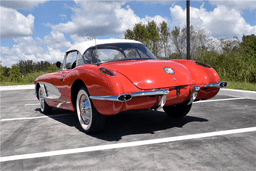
x=28, y=79
x=241, y=85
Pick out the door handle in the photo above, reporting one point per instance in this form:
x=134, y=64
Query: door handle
x=63, y=75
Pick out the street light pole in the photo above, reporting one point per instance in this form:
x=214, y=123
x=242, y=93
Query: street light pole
x=188, y=29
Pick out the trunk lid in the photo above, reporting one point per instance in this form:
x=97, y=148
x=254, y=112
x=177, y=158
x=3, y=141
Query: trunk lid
x=150, y=74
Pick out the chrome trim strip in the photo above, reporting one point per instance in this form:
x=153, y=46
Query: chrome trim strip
x=136, y=94
x=108, y=98
x=220, y=84
x=113, y=75
x=50, y=91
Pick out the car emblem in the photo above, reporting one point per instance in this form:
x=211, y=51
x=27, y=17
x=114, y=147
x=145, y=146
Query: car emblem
x=169, y=70
x=174, y=79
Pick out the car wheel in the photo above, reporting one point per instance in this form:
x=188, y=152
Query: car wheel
x=177, y=111
x=89, y=118
x=45, y=108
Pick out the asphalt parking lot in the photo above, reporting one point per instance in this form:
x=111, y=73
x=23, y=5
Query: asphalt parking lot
x=219, y=134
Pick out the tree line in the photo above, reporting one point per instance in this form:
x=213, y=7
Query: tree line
x=233, y=59
x=166, y=43
x=25, y=69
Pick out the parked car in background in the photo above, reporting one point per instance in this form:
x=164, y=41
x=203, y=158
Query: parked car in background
x=105, y=77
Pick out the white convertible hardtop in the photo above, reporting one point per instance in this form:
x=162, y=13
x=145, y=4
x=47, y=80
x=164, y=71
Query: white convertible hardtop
x=82, y=47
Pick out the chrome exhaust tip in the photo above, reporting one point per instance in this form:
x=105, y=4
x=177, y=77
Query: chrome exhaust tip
x=223, y=84
x=124, y=97
x=196, y=88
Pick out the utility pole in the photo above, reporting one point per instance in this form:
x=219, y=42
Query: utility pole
x=188, y=29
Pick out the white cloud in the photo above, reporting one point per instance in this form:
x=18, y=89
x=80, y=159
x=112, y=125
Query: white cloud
x=27, y=46
x=56, y=40
x=158, y=19
x=235, y=4
x=94, y=19
x=101, y=18
x=79, y=39
x=221, y=22
x=178, y=16
x=23, y=4
x=20, y=25
x=25, y=49
x=10, y=60
x=126, y=19
x=13, y=23
x=51, y=48
x=51, y=55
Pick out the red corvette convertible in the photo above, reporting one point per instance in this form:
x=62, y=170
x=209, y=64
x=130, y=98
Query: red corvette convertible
x=106, y=77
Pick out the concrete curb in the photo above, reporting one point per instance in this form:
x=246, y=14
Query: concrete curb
x=238, y=93
x=17, y=87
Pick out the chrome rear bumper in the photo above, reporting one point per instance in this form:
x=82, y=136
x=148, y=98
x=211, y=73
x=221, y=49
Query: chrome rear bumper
x=127, y=97
x=163, y=93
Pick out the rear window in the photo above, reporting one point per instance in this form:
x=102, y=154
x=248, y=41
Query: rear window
x=115, y=52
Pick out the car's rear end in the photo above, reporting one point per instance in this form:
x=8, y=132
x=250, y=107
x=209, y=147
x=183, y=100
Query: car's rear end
x=152, y=84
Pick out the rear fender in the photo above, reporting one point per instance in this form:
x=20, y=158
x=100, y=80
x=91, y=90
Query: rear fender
x=202, y=76
x=100, y=84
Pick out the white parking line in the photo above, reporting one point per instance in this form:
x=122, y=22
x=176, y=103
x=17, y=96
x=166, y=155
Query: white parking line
x=12, y=101
x=216, y=100
x=32, y=104
x=17, y=87
x=125, y=145
x=38, y=117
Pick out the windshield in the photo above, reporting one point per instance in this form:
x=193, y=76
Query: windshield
x=115, y=52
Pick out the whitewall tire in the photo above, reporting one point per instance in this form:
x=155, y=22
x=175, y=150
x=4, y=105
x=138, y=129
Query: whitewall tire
x=89, y=118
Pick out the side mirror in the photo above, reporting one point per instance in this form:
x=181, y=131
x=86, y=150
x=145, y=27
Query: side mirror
x=58, y=64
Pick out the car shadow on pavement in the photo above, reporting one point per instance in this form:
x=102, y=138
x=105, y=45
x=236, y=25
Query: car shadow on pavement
x=141, y=122
x=127, y=123
x=64, y=116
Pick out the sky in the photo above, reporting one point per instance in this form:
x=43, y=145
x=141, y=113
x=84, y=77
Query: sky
x=43, y=30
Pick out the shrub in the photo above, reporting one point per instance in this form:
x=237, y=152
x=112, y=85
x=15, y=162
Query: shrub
x=15, y=75
x=231, y=66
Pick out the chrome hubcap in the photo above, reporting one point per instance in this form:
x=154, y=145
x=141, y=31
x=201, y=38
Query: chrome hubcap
x=41, y=98
x=85, y=109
